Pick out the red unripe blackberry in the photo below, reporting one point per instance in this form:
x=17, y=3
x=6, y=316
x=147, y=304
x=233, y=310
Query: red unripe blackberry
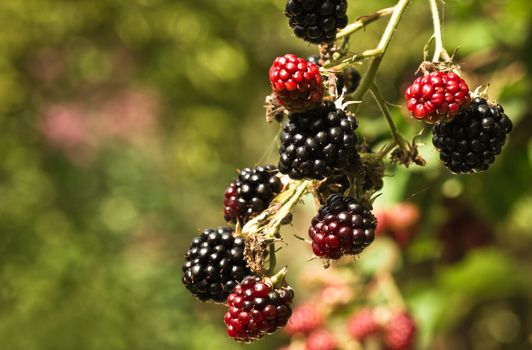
x=305, y=319
x=400, y=222
x=400, y=331
x=296, y=83
x=320, y=340
x=251, y=193
x=316, y=21
x=214, y=264
x=342, y=226
x=437, y=96
x=256, y=309
x=316, y=143
x=363, y=324
x=470, y=142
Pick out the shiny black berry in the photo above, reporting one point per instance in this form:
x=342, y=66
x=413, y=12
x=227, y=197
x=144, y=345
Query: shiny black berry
x=471, y=141
x=214, y=264
x=316, y=143
x=316, y=21
x=251, y=193
x=350, y=79
x=343, y=226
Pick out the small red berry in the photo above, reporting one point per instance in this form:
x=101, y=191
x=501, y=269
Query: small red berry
x=438, y=95
x=305, y=319
x=400, y=332
x=363, y=324
x=296, y=83
x=320, y=340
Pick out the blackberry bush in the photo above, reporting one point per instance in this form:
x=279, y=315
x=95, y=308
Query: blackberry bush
x=322, y=156
x=251, y=193
x=316, y=21
x=470, y=143
x=343, y=226
x=256, y=308
x=214, y=264
x=316, y=143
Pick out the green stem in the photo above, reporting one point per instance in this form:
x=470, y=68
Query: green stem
x=340, y=64
x=398, y=139
x=273, y=259
x=362, y=21
x=387, y=36
x=439, y=50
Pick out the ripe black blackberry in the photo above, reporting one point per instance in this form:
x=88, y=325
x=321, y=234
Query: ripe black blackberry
x=257, y=308
x=251, y=193
x=343, y=226
x=317, y=142
x=470, y=142
x=214, y=264
x=316, y=21
x=350, y=79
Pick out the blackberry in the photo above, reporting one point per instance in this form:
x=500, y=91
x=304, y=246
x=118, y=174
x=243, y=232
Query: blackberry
x=342, y=226
x=317, y=142
x=214, y=264
x=296, y=83
x=348, y=80
x=437, y=96
x=316, y=21
x=470, y=142
x=251, y=193
x=305, y=319
x=400, y=331
x=363, y=324
x=321, y=340
x=256, y=308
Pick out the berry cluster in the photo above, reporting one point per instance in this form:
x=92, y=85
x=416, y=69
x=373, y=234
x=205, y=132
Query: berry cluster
x=256, y=308
x=470, y=142
x=251, y=193
x=438, y=95
x=316, y=21
x=317, y=142
x=214, y=264
x=296, y=83
x=343, y=226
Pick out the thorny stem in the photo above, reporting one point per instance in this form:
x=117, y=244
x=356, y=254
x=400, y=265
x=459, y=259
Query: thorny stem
x=397, y=138
x=369, y=77
x=362, y=21
x=439, y=50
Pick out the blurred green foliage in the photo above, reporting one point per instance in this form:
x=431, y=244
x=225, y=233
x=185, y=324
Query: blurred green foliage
x=121, y=122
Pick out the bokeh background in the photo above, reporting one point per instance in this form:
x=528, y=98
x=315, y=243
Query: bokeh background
x=121, y=123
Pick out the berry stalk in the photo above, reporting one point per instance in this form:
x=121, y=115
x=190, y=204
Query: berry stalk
x=439, y=50
x=386, y=38
x=398, y=139
x=363, y=21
